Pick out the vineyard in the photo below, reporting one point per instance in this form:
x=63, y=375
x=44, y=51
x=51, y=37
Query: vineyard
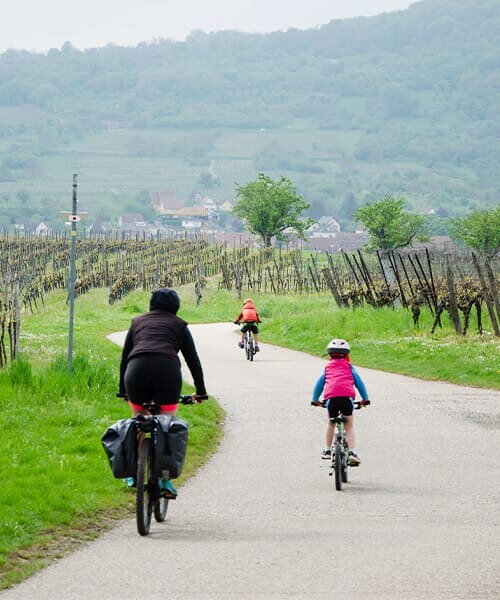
x=459, y=284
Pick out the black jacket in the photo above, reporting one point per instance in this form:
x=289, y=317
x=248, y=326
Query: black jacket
x=161, y=332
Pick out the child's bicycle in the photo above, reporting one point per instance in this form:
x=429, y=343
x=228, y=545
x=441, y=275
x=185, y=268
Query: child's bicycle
x=149, y=498
x=340, y=448
x=249, y=344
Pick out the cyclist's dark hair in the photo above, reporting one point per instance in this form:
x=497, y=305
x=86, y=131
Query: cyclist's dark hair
x=165, y=299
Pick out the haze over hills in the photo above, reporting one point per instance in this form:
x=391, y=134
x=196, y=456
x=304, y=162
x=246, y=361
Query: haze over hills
x=405, y=103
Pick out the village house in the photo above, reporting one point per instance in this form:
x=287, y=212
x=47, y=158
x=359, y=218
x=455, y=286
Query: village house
x=166, y=203
x=226, y=206
x=346, y=241
x=325, y=227
x=131, y=220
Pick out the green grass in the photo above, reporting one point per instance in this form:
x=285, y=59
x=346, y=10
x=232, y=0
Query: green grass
x=384, y=339
x=57, y=488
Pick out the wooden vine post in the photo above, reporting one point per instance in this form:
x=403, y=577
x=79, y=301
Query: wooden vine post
x=487, y=296
x=455, y=317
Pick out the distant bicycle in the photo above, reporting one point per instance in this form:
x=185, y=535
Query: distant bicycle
x=149, y=498
x=340, y=448
x=248, y=344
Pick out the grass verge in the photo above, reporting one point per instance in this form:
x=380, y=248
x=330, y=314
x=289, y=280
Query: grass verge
x=57, y=488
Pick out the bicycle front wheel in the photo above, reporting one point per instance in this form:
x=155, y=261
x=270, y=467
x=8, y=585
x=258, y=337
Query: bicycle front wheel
x=338, y=466
x=345, y=458
x=144, y=501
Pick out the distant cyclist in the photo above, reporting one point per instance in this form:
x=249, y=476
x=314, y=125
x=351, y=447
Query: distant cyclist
x=150, y=369
x=249, y=317
x=338, y=383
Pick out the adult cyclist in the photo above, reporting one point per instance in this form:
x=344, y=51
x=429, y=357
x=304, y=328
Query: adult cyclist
x=150, y=369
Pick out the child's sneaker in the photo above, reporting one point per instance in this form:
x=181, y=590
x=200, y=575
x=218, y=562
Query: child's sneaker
x=129, y=481
x=167, y=489
x=241, y=344
x=257, y=349
x=326, y=454
x=354, y=460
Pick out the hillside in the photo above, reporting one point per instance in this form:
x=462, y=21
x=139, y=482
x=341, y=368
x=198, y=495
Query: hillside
x=404, y=103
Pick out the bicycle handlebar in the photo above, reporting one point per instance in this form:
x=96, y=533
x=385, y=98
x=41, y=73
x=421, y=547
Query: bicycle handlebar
x=361, y=403
x=184, y=399
x=357, y=403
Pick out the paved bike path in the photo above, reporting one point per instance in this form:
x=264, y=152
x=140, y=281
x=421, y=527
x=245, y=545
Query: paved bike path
x=420, y=519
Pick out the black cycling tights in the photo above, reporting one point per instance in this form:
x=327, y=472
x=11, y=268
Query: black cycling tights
x=153, y=377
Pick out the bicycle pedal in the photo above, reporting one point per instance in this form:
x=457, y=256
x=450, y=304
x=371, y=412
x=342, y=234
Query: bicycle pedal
x=168, y=495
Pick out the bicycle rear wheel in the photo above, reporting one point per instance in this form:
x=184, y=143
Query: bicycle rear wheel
x=160, y=509
x=144, y=501
x=251, y=349
x=247, y=346
x=337, y=467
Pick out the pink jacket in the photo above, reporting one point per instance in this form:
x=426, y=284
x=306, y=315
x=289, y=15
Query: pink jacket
x=339, y=380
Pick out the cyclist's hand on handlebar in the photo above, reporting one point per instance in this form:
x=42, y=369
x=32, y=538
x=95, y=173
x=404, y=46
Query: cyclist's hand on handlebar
x=364, y=402
x=319, y=403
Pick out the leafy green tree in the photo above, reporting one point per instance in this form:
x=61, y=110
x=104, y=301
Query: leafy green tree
x=480, y=231
x=388, y=225
x=269, y=207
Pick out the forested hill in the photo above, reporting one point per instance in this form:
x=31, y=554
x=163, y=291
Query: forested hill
x=420, y=86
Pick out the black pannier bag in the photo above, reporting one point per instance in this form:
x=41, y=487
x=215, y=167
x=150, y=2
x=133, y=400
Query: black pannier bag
x=172, y=440
x=119, y=443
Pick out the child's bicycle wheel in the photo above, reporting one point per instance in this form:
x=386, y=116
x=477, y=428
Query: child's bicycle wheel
x=249, y=347
x=337, y=466
x=345, y=458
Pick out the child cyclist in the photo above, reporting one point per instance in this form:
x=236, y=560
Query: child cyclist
x=249, y=317
x=338, y=383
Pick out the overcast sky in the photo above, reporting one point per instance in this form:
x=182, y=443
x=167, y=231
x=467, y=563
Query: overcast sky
x=39, y=25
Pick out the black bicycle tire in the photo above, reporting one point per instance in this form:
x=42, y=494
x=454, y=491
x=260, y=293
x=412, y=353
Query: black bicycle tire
x=345, y=463
x=160, y=509
x=144, y=504
x=338, y=466
x=247, y=346
x=251, y=350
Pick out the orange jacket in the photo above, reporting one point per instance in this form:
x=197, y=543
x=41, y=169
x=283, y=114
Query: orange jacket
x=248, y=314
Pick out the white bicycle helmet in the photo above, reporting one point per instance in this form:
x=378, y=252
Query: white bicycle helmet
x=338, y=346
